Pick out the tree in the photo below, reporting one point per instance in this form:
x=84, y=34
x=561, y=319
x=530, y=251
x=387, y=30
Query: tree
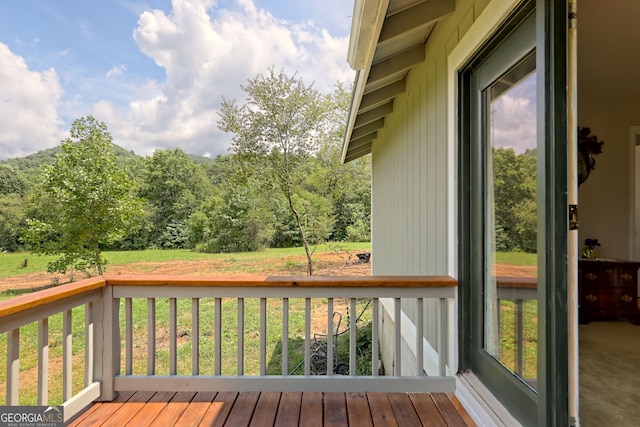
x=279, y=129
x=11, y=181
x=12, y=217
x=12, y=207
x=85, y=201
x=515, y=199
x=175, y=187
x=348, y=185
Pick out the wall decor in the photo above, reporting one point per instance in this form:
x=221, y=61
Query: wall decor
x=588, y=146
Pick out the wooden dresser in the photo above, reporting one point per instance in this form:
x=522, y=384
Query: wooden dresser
x=608, y=289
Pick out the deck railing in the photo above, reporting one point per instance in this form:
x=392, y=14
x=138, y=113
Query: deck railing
x=518, y=290
x=115, y=343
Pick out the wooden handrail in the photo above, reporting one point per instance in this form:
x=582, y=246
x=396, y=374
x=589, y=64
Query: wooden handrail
x=47, y=296
x=284, y=281
x=517, y=282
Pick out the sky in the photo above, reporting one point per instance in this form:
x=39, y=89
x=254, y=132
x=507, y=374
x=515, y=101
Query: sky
x=155, y=71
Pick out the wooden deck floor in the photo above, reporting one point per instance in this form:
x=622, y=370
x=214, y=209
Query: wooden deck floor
x=276, y=409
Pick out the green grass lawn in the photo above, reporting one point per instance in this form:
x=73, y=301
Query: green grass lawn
x=13, y=264
x=516, y=258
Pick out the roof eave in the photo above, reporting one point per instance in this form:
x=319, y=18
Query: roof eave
x=383, y=57
x=368, y=17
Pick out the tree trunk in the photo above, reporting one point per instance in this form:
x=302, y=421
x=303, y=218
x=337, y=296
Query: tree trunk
x=96, y=251
x=302, y=234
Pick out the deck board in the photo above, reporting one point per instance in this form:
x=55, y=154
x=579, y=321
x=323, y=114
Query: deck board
x=447, y=409
x=152, y=409
x=135, y=404
x=219, y=409
x=381, y=410
x=289, y=409
x=266, y=409
x=427, y=410
x=335, y=410
x=174, y=409
x=358, y=409
x=403, y=410
x=198, y=406
x=242, y=411
x=309, y=409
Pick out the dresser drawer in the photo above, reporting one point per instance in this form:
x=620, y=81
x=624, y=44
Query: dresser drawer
x=608, y=290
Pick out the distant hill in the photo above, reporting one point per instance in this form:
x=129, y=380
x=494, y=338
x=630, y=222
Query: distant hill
x=31, y=164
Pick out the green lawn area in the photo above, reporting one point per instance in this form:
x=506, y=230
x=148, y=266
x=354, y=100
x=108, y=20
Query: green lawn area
x=516, y=258
x=13, y=264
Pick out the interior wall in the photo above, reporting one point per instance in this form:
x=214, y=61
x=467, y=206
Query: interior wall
x=609, y=104
x=604, y=198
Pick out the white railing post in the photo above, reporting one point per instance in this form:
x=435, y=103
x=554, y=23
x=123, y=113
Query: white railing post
x=330, y=336
x=397, y=318
x=173, y=336
x=13, y=366
x=88, y=343
x=107, y=343
x=240, y=355
x=195, y=336
x=67, y=356
x=420, y=337
x=285, y=336
x=43, y=361
x=217, y=334
x=443, y=338
x=128, y=335
x=151, y=340
x=520, y=335
x=263, y=336
x=353, y=317
x=307, y=337
x=375, y=338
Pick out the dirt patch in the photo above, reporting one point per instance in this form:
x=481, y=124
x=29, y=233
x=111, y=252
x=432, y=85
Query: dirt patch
x=326, y=264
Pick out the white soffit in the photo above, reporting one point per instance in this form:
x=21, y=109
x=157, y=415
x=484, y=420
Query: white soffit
x=387, y=41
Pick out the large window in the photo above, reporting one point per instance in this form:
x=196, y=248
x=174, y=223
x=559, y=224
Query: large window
x=500, y=177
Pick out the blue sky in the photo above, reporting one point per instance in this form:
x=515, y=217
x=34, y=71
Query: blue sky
x=154, y=71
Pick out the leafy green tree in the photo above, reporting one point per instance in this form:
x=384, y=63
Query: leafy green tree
x=279, y=129
x=175, y=187
x=11, y=181
x=347, y=186
x=85, y=201
x=238, y=218
x=12, y=218
x=515, y=199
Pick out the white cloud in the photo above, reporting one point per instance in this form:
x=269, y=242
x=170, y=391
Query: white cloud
x=29, y=100
x=513, y=118
x=116, y=71
x=207, y=53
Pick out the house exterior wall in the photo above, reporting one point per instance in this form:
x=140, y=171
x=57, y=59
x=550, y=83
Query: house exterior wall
x=412, y=188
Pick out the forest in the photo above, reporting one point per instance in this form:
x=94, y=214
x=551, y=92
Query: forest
x=211, y=205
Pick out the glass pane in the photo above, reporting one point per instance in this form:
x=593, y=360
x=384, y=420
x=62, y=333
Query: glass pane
x=510, y=200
